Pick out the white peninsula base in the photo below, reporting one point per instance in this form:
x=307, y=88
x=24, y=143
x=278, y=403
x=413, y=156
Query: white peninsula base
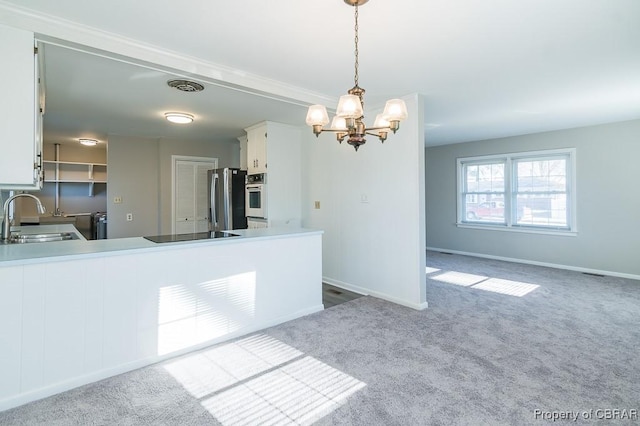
x=73, y=319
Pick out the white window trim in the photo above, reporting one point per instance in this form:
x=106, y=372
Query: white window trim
x=508, y=159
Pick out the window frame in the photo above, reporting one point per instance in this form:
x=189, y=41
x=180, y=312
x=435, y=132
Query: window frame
x=510, y=191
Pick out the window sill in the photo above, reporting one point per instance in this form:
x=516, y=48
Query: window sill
x=520, y=229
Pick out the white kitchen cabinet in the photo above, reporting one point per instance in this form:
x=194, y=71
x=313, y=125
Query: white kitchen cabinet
x=257, y=149
x=281, y=145
x=21, y=111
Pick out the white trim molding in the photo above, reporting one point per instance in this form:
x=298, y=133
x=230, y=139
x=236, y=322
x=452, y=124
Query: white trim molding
x=367, y=292
x=537, y=263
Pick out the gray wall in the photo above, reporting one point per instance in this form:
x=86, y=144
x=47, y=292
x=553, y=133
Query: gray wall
x=608, y=203
x=140, y=173
x=133, y=174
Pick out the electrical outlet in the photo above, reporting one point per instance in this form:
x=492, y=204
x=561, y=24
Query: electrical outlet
x=317, y=204
x=117, y=200
x=129, y=217
x=364, y=198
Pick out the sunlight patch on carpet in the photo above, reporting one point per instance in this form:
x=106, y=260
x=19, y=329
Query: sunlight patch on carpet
x=512, y=288
x=459, y=278
x=298, y=393
x=260, y=380
x=214, y=369
x=480, y=282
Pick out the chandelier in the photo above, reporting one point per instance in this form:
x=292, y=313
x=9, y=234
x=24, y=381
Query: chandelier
x=348, y=121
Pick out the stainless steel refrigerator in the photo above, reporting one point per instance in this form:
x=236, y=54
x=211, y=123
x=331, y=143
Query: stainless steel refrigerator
x=226, y=199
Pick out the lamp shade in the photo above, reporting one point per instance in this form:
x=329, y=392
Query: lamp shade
x=349, y=106
x=317, y=115
x=381, y=121
x=395, y=110
x=338, y=123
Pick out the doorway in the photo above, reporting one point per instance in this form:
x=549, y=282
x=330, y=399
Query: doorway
x=189, y=198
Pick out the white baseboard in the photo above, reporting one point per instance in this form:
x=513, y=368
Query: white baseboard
x=534, y=262
x=369, y=292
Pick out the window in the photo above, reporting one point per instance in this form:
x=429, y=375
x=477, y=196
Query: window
x=531, y=191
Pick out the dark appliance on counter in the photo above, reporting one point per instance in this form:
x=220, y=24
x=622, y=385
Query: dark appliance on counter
x=226, y=199
x=175, y=238
x=98, y=226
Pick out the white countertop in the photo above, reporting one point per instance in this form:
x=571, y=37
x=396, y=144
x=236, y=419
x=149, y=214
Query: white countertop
x=18, y=254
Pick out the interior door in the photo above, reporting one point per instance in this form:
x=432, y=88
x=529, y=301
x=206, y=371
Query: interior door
x=191, y=201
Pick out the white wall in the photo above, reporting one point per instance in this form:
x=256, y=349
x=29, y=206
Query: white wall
x=607, y=201
x=376, y=247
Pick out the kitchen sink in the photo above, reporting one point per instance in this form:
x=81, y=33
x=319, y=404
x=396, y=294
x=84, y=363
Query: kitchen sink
x=42, y=237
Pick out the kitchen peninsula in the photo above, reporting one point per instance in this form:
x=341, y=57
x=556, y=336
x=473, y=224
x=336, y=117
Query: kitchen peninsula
x=74, y=312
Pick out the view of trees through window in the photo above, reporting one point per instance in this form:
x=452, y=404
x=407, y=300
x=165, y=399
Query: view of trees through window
x=516, y=190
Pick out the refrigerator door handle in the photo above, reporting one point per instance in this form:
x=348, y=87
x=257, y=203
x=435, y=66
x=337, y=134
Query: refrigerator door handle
x=214, y=208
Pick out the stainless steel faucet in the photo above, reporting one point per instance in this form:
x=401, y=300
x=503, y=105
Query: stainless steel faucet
x=6, y=223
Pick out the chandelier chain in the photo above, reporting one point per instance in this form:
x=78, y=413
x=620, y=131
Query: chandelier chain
x=355, y=78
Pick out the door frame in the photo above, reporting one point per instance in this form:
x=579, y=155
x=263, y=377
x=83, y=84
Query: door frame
x=174, y=161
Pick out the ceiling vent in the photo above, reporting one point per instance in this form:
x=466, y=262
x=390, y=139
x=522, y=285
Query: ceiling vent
x=186, y=85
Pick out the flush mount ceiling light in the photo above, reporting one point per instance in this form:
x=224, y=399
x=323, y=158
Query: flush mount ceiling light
x=88, y=142
x=178, y=117
x=350, y=111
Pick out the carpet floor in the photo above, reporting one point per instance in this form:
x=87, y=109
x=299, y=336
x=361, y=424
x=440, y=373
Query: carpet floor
x=500, y=344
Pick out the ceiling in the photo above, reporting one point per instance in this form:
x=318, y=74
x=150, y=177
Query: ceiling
x=486, y=69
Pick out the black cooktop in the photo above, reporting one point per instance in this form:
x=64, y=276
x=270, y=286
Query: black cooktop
x=172, y=238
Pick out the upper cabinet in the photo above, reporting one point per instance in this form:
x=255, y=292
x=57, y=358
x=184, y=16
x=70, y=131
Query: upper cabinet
x=21, y=109
x=257, y=149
